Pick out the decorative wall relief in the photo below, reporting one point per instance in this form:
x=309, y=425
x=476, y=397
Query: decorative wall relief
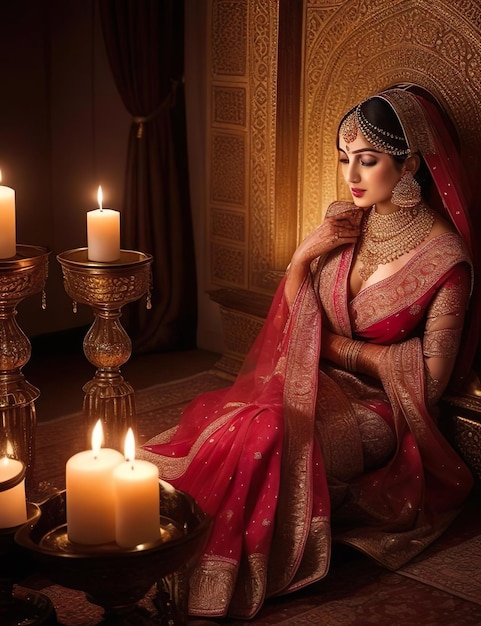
x=272, y=159
x=243, y=35
x=354, y=48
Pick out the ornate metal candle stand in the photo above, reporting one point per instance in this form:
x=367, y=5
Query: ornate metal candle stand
x=16, y=608
x=118, y=578
x=106, y=288
x=22, y=276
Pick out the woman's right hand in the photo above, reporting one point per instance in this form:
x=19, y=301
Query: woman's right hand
x=336, y=230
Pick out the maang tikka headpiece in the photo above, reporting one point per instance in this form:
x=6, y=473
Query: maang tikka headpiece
x=411, y=118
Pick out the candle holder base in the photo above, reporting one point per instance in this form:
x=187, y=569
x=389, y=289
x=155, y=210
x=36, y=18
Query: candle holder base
x=112, y=399
x=19, y=605
x=115, y=578
x=28, y=607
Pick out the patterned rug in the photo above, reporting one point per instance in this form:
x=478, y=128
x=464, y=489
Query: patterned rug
x=453, y=563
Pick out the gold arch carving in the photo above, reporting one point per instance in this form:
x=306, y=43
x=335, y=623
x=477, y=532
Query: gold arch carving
x=354, y=49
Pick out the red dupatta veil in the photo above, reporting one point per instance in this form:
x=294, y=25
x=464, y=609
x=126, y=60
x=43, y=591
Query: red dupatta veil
x=443, y=161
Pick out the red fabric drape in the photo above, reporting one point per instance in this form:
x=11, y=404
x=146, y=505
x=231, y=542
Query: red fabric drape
x=144, y=43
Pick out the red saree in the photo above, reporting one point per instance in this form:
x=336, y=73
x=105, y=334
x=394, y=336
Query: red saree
x=269, y=457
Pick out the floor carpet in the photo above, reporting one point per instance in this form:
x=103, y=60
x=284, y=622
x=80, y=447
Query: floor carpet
x=441, y=587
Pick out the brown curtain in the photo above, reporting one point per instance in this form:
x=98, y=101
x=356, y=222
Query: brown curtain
x=144, y=41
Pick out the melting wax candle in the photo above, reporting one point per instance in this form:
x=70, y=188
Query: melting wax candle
x=90, y=493
x=8, y=244
x=137, y=499
x=103, y=233
x=13, y=503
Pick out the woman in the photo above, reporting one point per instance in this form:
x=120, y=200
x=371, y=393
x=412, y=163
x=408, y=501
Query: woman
x=329, y=432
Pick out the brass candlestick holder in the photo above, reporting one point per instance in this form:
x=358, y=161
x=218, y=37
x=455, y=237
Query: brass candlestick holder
x=106, y=288
x=20, y=277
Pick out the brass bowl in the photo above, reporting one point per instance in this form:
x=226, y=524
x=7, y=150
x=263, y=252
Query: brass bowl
x=117, y=578
x=25, y=274
x=110, y=285
x=17, y=605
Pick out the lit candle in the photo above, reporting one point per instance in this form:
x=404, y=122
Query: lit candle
x=8, y=244
x=13, y=504
x=90, y=493
x=137, y=499
x=103, y=233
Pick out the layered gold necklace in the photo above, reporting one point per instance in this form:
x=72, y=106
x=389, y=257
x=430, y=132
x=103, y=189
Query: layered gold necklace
x=388, y=237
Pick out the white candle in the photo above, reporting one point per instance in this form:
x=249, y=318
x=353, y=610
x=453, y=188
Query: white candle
x=103, y=233
x=8, y=244
x=90, y=493
x=13, y=504
x=137, y=499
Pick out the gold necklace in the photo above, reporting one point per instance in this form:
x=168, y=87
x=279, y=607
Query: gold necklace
x=387, y=237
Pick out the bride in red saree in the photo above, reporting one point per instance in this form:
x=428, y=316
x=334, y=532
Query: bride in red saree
x=330, y=432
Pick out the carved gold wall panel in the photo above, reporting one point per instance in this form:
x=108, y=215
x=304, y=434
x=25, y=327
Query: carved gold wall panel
x=241, y=132
x=354, y=48
x=228, y=178
x=349, y=49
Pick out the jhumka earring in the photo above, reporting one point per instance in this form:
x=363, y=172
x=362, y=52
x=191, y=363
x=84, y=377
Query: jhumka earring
x=407, y=192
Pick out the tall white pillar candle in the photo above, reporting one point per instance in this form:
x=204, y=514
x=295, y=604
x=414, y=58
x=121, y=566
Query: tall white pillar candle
x=137, y=499
x=103, y=234
x=8, y=244
x=13, y=503
x=90, y=493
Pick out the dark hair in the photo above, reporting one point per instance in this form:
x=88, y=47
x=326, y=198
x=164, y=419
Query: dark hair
x=379, y=117
x=385, y=124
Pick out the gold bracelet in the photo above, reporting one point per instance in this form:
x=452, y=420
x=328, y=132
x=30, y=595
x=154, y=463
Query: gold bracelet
x=348, y=354
x=352, y=356
x=343, y=353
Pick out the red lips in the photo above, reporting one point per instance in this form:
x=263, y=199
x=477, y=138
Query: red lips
x=357, y=193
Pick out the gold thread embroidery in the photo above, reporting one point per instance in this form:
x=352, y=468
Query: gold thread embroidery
x=442, y=343
x=406, y=286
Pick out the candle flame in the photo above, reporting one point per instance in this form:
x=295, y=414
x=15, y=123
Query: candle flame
x=9, y=449
x=97, y=437
x=8, y=453
x=129, y=446
x=100, y=197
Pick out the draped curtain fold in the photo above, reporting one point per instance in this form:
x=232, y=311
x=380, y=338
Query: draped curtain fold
x=144, y=43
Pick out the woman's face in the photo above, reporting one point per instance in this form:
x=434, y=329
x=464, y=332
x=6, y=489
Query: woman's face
x=370, y=174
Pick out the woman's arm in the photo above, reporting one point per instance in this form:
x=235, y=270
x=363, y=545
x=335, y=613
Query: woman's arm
x=442, y=334
x=335, y=230
x=353, y=355
x=441, y=339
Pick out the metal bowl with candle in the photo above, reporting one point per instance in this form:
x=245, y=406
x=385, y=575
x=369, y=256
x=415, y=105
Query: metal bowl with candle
x=113, y=577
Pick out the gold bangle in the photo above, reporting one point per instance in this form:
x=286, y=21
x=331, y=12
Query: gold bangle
x=352, y=355
x=349, y=353
x=343, y=353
